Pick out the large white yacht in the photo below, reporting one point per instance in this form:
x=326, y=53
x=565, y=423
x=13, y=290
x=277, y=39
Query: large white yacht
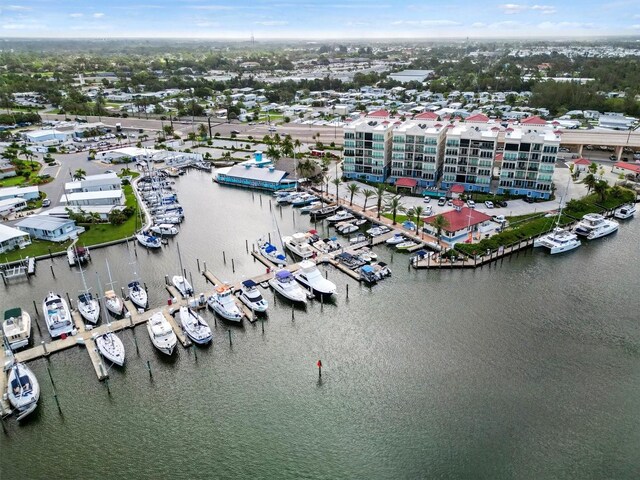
x=284, y=283
x=251, y=297
x=298, y=244
x=558, y=240
x=223, y=303
x=312, y=278
x=16, y=328
x=340, y=216
x=162, y=335
x=57, y=315
x=594, y=225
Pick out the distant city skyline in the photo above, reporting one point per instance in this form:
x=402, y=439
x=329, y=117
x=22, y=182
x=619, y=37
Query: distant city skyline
x=313, y=19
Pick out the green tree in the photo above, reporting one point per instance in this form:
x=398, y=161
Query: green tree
x=395, y=206
x=381, y=194
x=367, y=193
x=274, y=153
x=440, y=223
x=353, y=189
x=80, y=174
x=589, y=181
x=416, y=212
x=601, y=188
x=337, y=182
x=593, y=168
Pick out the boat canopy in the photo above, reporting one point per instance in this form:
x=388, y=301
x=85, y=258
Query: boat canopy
x=269, y=248
x=249, y=283
x=283, y=274
x=85, y=297
x=367, y=269
x=421, y=253
x=13, y=313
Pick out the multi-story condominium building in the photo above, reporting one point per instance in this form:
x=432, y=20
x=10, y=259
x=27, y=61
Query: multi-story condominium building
x=469, y=153
x=367, y=148
x=417, y=151
x=528, y=162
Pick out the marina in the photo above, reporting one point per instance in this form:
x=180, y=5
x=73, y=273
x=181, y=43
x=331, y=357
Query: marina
x=355, y=333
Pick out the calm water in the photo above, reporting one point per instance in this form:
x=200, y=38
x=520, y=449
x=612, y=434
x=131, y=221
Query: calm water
x=530, y=369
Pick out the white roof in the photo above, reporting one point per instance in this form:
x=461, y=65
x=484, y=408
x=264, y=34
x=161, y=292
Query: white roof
x=43, y=222
x=17, y=191
x=101, y=179
x=133, y=151
x=44, y=133
x=9, y=202
x=90, y=195
x=7, y=233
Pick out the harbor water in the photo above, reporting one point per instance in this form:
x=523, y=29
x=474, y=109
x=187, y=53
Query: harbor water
x=529, y=368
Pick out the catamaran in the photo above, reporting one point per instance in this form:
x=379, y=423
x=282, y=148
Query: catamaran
x=558, y=240
x=16, y=328
x=194, y=326
x=223, y=303
x=57, y=315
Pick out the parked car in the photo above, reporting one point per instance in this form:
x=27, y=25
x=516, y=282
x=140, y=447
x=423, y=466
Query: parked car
x=501, y=203
x=428, y=210
x=488, y=204
x=426, y=199
x=235, y=132
x=499, y=218
x=471, y=204
x=46, y=202
x=529, y=199
x=442, y=202
x=613, y=158
x=450, y=202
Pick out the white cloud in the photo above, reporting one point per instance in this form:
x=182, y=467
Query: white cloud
x=76, y=15
x=478, y=25
x=98, y=15
x=636, y=27
x=17, y=8
x=356, y=24
x=272, y=23
x=427, y=23
x=512, y=8
x=544, y=9
x=506, y=25
x=564, y=25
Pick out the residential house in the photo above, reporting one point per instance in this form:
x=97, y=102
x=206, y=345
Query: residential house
x=12, y=238
x=53, y=229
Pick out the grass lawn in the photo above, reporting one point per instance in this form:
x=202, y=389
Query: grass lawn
x=13, y=181
x=95, y=233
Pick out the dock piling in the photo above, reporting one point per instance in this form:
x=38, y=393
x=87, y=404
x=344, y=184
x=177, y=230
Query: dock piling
x=50, y=255
x=106, y=382
x=149, y=368
x=69, y=300
x=198, y=262
x=293, y=312
x=166, y=279
x=347, y=290
x=246, y=245
x=55, y=397
x=51, y=377
x=135, y=342
x=230, y=342
x=52, y=272
x=44, y=347
x=204, y=264
x=233, y=266
x=191, y=279
x=195, y=351
x=224, y=257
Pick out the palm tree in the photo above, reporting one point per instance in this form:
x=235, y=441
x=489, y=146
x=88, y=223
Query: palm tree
x=601, y=188
x=297, y=144
x=381, y=194
x=367, y=193
x=274, y=153
x=353, y=189
x=79, y=174
x=601, y=173
x=593, y=168
x=416, y=212
x=589, y=181
x=287, y=147
x=337, y=182
x=202, y=131
x=395, y=206
x=440, y=223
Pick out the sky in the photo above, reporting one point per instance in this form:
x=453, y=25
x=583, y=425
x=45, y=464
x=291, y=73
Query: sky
x=315, y=19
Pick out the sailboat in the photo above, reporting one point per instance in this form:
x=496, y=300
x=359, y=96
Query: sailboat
x=23, y=389
x=109, y=344
x=112, y=301
x=180, y=282
x=146, y=239
x=194, y=326
x=137, y=294
x=88, y=306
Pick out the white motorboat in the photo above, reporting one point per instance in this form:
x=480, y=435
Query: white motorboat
x=113, y=303
x=340, y=216
x=271, y=253
x=16, y=328
x=311, y=206
x=137, y=294
x=309, y=276
x=371, y=274
x=378, y=230
x=148, y=241
x=251, y=297
x=298, y=244
x=397, y=239
x=57, y=315
x=168, y=219
x=284, y=283
x=110, y=347
x=323, y=212
x=360, y=222
x=558, y=241
x=284, y=199
x=625, y=211
x=367, y=255
x=303, y=199
x=359, y=238
x=346, y=229
x=223, y=303
x=594, y=225
x=88, y=307
x=164, y=229
x=406, y=245
x=162, y=335
x=77, y=255
x=183, y=285
x=194, y=326
x=23, y=389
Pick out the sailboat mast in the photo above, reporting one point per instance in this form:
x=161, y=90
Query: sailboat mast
x=102, y=299
x=180, y=260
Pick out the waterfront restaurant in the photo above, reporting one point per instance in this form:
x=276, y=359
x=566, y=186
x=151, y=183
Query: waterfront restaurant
x=249, y=176
x=463, y=223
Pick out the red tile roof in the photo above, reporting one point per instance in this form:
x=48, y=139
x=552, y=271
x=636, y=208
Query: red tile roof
x=461, y=219
x=406, y=182
x=457, y=188
x=535, y=120
x=499, y=157
x=426, y=116
x=477, y=118
x=582, y=161
x=379, y=114
x=628, y=166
